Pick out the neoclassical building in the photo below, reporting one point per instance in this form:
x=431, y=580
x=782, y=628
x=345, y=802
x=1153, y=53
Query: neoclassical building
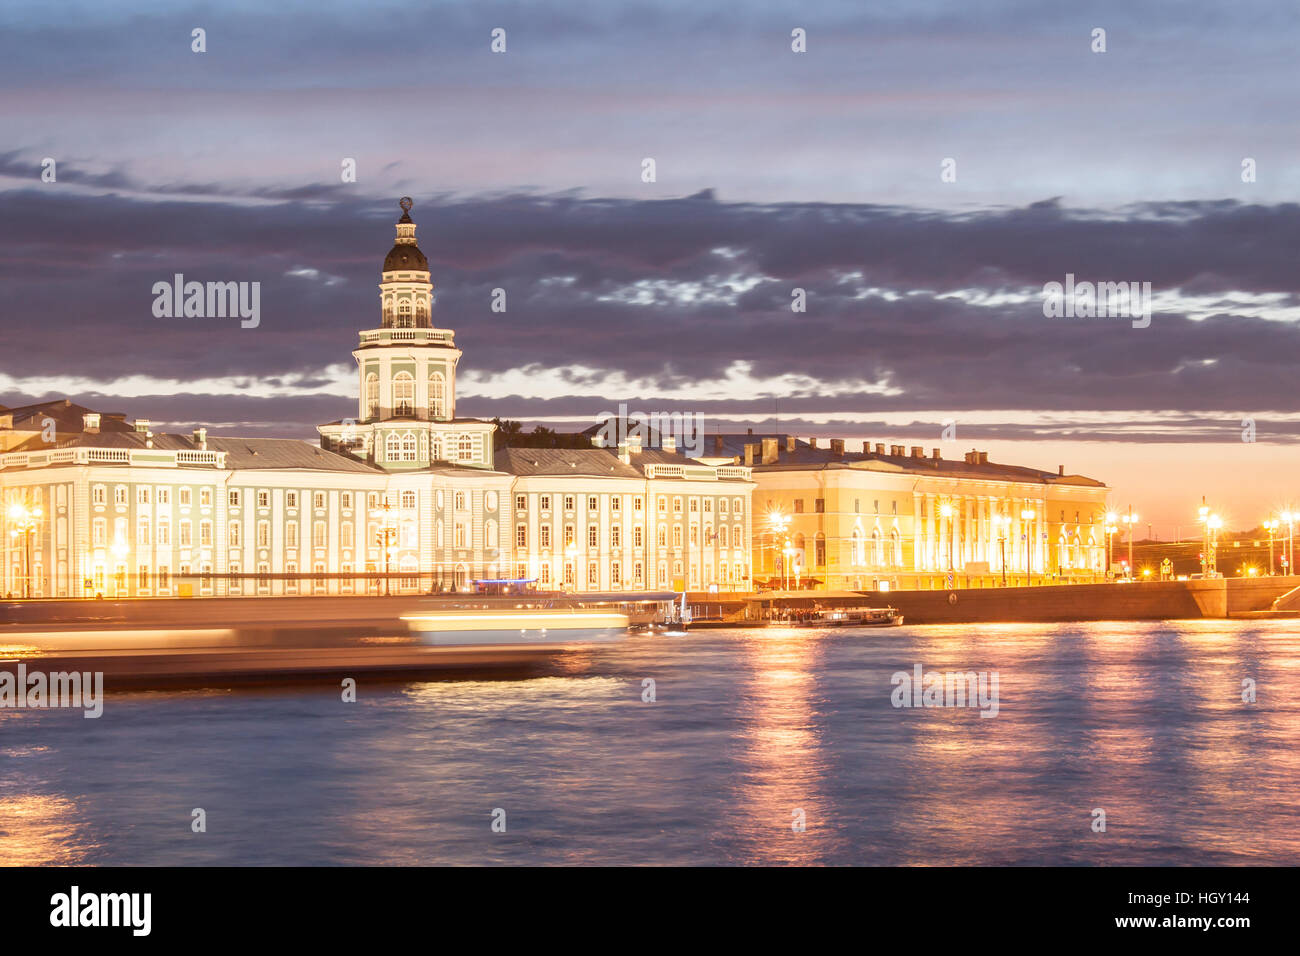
x=405, y=493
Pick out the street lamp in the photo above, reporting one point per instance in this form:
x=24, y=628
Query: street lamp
x=946, y=512
x=779, y=522
x=1271, y=528
x=1026, y=516
x=1130, y=519
x=384, y=537
x=1111, y=528
x=1290, y=517
x=25, y=520
x=1002, y=523
x=1213, y=523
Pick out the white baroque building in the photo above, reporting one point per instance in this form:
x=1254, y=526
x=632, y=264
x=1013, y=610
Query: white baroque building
x=94, y=505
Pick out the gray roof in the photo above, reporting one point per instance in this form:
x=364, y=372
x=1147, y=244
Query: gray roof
x=807, y=458
x=587, y=462
x=251, y=453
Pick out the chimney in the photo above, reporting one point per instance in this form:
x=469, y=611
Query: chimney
x=634, y=443
x=789, y=443
x=201, y=438
x=668, y=443
x=90, y=422
x=984, y=458
x=749, y=455
x=1060, y=470
x=837, y=447
x=895, y=450
x=142, y=424
x=918, y=451
x=624, y=455
x=749, y=431
x=770, y=453
x=717, y=444
x=812, y=442
x=148, y=439
x=934, y=453
x=880, y=448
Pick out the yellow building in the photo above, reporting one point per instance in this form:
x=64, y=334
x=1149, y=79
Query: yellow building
x=831, y=518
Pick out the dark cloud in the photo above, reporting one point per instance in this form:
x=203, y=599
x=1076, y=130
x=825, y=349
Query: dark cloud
x=887, y=296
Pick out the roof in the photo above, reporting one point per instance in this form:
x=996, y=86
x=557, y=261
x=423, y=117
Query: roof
x=588, y=462
x=246, y=453
x=807, y=458
x=406, y=257
x=67, y=416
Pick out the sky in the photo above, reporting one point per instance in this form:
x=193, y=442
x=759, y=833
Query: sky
x=922, y=172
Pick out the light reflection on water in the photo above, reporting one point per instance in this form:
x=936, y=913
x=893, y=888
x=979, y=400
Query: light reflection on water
x=1144, y=721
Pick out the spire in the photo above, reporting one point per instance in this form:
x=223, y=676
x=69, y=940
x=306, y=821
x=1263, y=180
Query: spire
x=406, y=255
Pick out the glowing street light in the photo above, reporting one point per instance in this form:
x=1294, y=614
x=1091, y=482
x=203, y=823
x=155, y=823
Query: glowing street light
x=1290, y=517
x=25, y=520
x=1130, y=519
x=1271, y=528
x=385, y=536
x=1003, y=524
x=1027, y=515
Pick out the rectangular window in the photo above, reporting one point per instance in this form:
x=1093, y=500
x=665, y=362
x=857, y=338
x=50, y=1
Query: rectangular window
x=164, y=534
x=291, y=535
x=187, y=534
x=119, y=495
x=546, y=502
x=142, y=578
x=460, y=501
x=819, y=505
x=546, y=536
x=142, y=496
x=593, y=503
x=593, y=539
x=164, y=498
x=205, y=497
x=521, y=536
x=568, y=502
x=318, y=500
x=205, y=534
x=185, y=497
x=345, y=500
x=798, y=506
x=234, y=499
x=291, y=499
x=521, y=502
x=263, y=499
x=615, y=536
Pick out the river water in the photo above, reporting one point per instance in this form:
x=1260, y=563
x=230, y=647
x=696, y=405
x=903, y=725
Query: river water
x=747, y=729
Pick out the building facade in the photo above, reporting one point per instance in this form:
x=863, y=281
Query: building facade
x=405, y=497
x=893, y=516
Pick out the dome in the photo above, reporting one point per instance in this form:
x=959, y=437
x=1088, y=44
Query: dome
x=406, y=257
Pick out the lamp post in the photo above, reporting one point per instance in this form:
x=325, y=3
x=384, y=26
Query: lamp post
x=779, y=522
x=1002, y=522
x=1027, y=516
x=1290, y=517
x=1112, y=526
x=384, y=538
x=1271, y=528
x=1213, y=523
x=946, y=512
x=25, y=520
x=1130, y=519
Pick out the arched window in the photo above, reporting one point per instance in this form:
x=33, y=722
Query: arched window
x=421, y=314
x=408, y=447
x=437, y=395
x=403, y=394
x=393, y=447
x=404, y=314
x=372, y=395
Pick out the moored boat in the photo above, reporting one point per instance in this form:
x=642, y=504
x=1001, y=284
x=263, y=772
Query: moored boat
x=839, y=617
x=550, y=626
